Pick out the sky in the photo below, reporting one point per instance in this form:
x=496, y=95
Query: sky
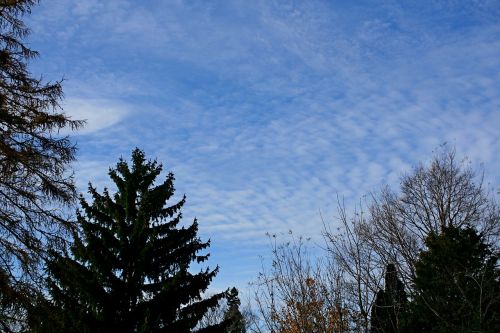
x=267, y=111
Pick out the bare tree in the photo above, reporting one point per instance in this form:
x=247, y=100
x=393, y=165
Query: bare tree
x=442, y=194
x=297, y=293
x=391, y=227
x=361, y=270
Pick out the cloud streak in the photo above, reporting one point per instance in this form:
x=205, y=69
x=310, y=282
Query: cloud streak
x=98, y=114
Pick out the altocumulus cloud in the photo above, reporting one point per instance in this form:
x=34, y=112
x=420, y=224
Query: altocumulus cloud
x=266, y=110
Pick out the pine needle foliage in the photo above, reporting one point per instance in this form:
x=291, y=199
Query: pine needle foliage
x=129, y=268
x=35, y=162
x=457, y=284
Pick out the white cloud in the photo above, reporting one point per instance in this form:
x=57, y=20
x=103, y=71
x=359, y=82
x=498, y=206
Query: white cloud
x=98, y=113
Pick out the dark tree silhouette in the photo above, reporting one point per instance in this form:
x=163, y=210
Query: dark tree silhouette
x=34, y=165
x=130, y=265
x=457, y=284
x=233, y=316
x=390, y=304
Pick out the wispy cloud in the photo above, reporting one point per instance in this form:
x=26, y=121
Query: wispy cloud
x=98, y=114
x=265, y=111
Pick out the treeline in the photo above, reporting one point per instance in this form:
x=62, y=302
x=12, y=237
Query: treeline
x=422, y=259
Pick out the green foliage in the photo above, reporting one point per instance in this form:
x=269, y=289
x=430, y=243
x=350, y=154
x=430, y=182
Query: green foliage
x=390, y=304
x=457, y=285
x=129, y=269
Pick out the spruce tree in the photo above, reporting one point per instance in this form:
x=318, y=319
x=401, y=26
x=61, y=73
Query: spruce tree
x=129, y=268
x=457, y=284
x=233, y=316
x=390, y=304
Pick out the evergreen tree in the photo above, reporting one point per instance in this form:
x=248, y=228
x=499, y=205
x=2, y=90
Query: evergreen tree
x=390, y=304
x=233, y=316
x=129, y=268
x=457, y=285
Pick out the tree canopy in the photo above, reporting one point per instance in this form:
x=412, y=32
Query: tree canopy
x=35, y=175
x=445, y=192
x=129, y=267
x=457, y=284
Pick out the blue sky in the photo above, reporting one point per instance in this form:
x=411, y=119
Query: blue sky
x=267, y=110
